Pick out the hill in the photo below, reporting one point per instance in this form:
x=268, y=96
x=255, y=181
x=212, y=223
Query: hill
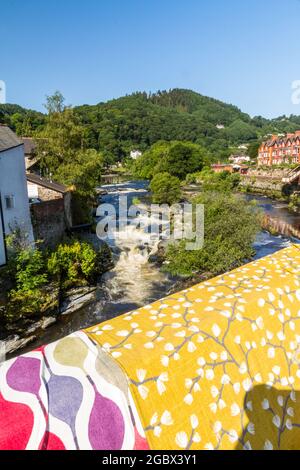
x=24, y=121
x=139, y=120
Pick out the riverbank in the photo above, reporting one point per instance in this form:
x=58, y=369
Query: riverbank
x=271, y=182
x=40, y=286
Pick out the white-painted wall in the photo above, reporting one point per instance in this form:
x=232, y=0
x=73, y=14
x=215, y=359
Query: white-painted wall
x=33, y=190
x=13, y=182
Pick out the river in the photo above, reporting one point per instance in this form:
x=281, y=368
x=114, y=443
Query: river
x=135, y=282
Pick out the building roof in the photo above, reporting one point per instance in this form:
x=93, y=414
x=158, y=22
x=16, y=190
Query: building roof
x=8, y=139
x=293, y=138
x=36, y=179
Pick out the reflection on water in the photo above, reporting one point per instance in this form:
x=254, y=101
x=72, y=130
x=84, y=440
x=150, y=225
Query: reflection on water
x=279, y=219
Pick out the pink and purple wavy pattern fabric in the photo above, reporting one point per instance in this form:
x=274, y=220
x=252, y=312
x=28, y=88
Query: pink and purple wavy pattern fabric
x=67, y=395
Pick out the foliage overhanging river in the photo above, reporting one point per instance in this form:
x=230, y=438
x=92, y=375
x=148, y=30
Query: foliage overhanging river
x=135, y=282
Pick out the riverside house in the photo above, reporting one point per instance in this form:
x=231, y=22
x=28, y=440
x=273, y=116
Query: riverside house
x=51, y=209
x=14, y=204
x=280, y=150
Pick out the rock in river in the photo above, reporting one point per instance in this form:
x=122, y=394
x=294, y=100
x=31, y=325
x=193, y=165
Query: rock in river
x=77, y=298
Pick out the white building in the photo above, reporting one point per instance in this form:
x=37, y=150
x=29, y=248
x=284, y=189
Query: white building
x=135, y=154
x=14, y=204
x=238, y=159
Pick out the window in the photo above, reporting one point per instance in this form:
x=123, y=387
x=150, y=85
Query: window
x=9, y=202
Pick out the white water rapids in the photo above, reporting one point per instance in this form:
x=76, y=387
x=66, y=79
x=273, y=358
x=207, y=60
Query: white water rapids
x=134, y=279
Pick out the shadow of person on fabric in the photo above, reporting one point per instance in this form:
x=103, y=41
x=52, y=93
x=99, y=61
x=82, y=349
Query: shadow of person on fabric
x=271, y=419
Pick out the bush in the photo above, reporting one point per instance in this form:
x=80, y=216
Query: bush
x=165, y=189
x=223, y=182
x=78, y=263
x=193, y=178
x=30, y=273
x=294, y=202
x=29, y=303
x=231, y=225
x=27, y=297
x=35, y=277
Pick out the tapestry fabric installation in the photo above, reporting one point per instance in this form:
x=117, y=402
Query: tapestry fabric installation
x=216, y=366
x=67, y=395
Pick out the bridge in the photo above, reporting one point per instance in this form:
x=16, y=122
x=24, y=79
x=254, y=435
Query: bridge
x=215, y=366
x=113, y=178
x=292, y=177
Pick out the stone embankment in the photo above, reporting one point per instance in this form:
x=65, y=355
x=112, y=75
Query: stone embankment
x=268, y=181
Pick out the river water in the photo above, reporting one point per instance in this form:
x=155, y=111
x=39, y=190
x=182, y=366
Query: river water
x=135, y=282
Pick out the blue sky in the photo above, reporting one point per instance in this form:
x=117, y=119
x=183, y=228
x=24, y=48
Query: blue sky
x=244, y=52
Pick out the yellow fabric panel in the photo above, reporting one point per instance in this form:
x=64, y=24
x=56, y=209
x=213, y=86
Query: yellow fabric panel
x=217, y=366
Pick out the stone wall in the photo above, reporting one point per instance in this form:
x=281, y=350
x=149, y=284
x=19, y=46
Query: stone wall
x=273, y=173
x=49, y=221
x=46, y=194
x=267, y=181
x=261, y=184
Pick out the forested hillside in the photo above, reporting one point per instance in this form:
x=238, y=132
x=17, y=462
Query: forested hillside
x=24, y=121
x=141, y=119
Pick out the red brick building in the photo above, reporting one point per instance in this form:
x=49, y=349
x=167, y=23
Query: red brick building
x=220, y=167
x=280, y=150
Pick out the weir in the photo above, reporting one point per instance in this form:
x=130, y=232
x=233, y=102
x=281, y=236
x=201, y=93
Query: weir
x=215, y=366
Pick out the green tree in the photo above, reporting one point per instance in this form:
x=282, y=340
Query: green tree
x=253, y=150
x=184, y=158
x=165, y=189
x=231, y=225
x=55, y=103
x=83, y=172
x=61, y=139
x=146, y=166
x=176, y=158
x=63, y=153
x=141, y=120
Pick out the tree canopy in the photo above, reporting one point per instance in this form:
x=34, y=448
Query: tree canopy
x=231, y=225
x=63, y=152
x=165, y=189
x=176, y=158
